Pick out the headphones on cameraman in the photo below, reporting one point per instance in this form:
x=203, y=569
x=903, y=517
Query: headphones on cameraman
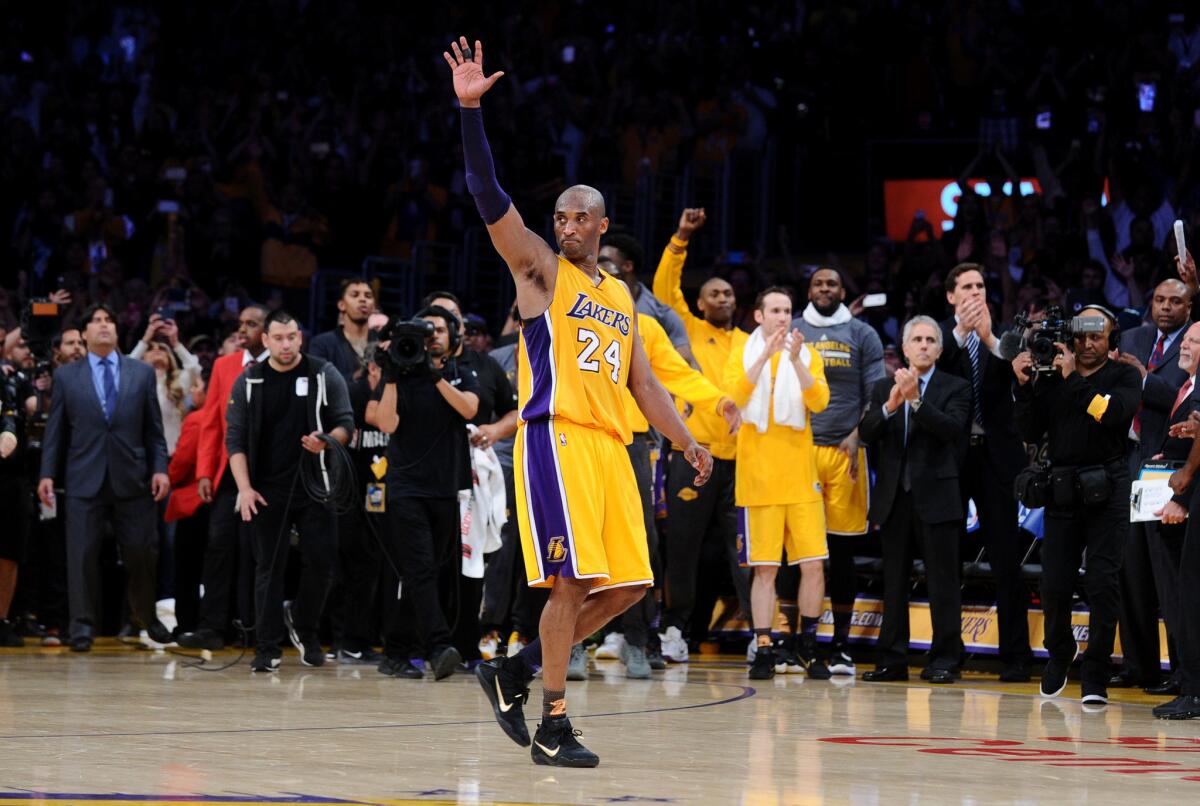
x=452, y=323
x=1114, y=335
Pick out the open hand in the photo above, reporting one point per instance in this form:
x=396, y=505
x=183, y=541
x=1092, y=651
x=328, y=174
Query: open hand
x=248, y=501
x=470, y=83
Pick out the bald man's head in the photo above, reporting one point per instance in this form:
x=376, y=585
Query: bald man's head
x=1171, y=306
x=578, y=224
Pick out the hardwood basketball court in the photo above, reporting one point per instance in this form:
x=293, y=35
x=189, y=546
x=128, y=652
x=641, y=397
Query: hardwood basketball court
x=122, y=725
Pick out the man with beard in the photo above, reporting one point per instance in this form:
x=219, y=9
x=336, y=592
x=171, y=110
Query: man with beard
x=351, y=609
x=426, y=411
x=853, y=357
x=345, y=345
x=228, y=558
x=1084, y=408
x=696, y=514
x=278, y=410
x=778, y=383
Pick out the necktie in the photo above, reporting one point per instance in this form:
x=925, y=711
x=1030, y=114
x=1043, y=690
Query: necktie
x=976, y=376
x=110, y=389
x=1156, y=357
x=1183, y=395
x=905, y=478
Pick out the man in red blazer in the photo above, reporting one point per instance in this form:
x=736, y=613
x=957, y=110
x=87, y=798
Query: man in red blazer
x=227, y=537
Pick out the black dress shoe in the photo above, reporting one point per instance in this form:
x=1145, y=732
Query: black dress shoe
x=886, y=674
x=202, y=638
x=1167, y=688
x=1015, y=673
x=1122, y=680
x=936, y=675
x=81, y=643
x=159, y=633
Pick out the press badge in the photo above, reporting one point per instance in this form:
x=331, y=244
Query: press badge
x=376, y=497
x=302, y=387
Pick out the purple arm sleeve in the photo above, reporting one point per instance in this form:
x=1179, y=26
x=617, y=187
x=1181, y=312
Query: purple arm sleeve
x=491, y=201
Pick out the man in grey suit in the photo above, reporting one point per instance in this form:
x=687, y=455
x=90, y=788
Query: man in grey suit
x=1152, y=554
x=105, y=440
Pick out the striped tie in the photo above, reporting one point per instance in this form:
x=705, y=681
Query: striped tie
x=976, y=376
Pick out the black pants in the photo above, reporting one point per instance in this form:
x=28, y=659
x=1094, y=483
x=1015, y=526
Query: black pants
x=424, y=534
x=132, y=521
x=996, y=506
x=637, y=620
x=191, y=539
x=317, y=526
x=49, y=569
x=1187, y=635
x=1103, y=531
x=1149, y=583
x=229, y=570
x=352, y=601
x=505, y=570
x=693, y=514
x=903, y=532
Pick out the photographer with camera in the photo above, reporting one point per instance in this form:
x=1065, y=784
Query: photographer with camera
x=1082, y=403
x=425, y=401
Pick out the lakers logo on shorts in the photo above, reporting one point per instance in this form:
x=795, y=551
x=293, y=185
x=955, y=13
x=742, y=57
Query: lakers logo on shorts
x=556, y=552
x=741, y=543
x=688, y=494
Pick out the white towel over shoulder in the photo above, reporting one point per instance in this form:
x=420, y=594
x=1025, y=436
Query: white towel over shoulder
x=787, y=403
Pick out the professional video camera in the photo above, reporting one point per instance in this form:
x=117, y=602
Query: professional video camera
x=40, y=324
x=1038, y=336
x=407, y=337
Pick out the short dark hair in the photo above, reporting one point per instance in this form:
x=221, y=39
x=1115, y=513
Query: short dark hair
x=258, y=306
x=628, y=246
x=774, y=289
x=447, y=316
x=837, y=273
x=281, y=317
x=95, y=307
x=353, y=281
x=958, y=271
x=450, y=295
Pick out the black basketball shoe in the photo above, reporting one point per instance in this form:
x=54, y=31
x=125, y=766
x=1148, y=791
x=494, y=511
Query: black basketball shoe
x=555, y=745
x=508, y=692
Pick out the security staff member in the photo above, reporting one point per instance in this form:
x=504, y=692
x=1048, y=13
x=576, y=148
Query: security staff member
x=1084, y=407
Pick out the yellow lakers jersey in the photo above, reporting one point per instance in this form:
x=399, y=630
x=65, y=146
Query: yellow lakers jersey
x=574, y=358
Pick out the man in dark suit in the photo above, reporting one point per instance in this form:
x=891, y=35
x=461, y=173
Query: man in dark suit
x=1149, y=565
x=920, y=422
x=105, y=431
x=995, y=455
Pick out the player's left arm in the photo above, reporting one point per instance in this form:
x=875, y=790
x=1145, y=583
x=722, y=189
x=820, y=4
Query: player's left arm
x=656, y=404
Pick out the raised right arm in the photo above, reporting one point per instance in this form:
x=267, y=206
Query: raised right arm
x=529, y=258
